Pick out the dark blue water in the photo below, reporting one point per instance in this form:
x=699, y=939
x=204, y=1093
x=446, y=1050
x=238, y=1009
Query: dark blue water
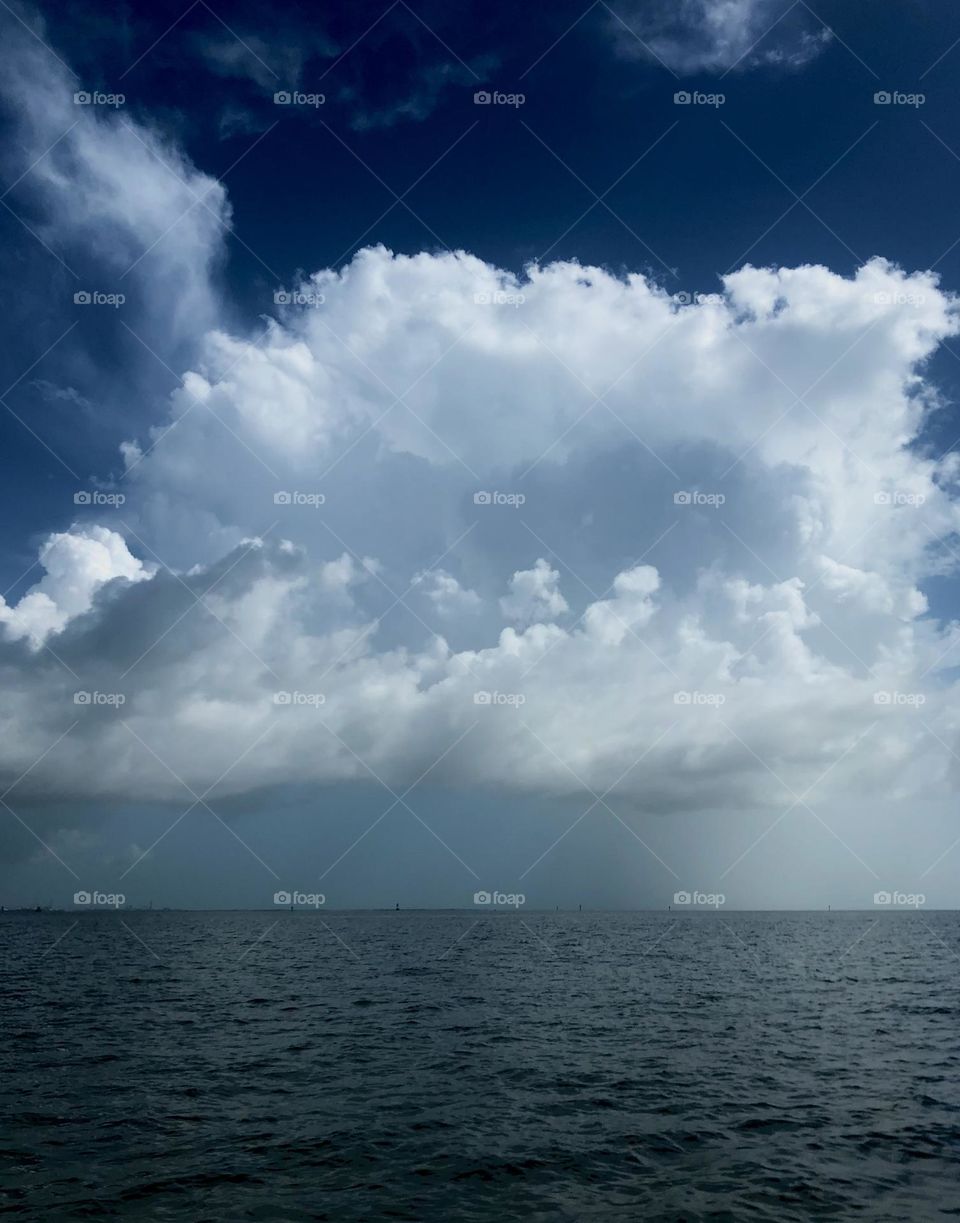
x=450, y=1066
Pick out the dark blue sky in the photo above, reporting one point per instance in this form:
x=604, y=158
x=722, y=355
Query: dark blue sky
x=508, y=184
x=699, y=199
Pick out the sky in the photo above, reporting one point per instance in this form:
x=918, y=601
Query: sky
x=455, y=450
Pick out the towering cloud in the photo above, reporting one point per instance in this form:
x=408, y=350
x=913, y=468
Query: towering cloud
x=545, y=531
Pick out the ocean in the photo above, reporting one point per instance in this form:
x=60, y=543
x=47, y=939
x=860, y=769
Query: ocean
x=455, y=1065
